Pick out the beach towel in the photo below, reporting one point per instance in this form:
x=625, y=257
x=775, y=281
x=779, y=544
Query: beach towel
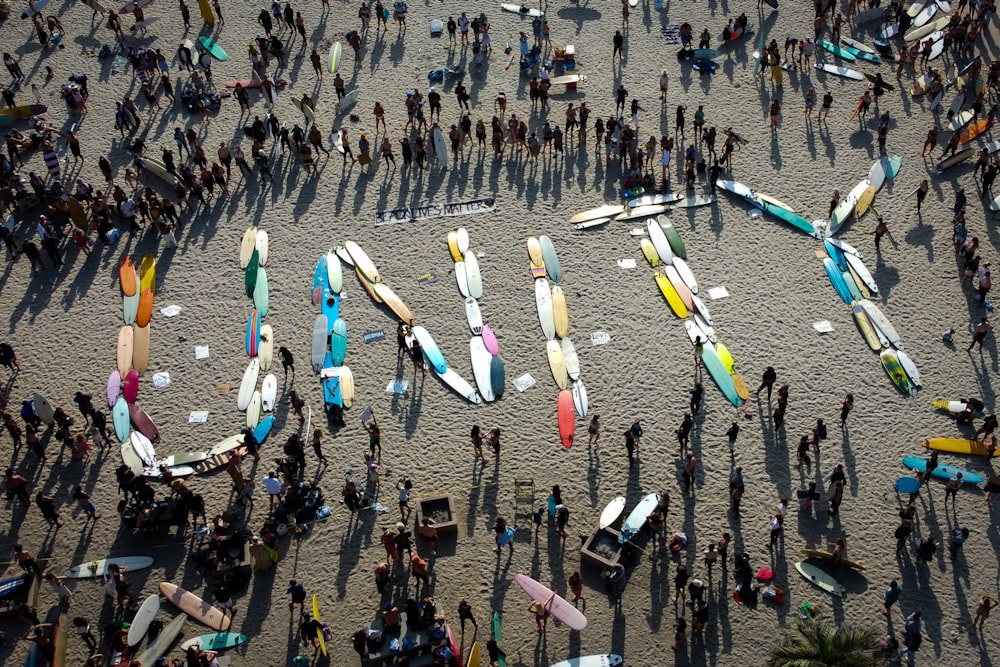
x=671, y=33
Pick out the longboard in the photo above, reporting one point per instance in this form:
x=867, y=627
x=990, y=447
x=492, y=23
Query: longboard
x=558, y=606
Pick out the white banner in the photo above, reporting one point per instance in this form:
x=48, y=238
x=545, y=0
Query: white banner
x=449, y=210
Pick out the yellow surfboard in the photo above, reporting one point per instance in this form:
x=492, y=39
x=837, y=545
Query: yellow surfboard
x=456, y=254
x=535, y=251
x=147, y=274
x=319, y=631
x=206, y=12
x=649, y=252
x=956, y=446
x=726, y=357
x=671, y=295
x=474, y=657
x=560, y=315
x=864, y=201
x=537, y=270
x=741, y=386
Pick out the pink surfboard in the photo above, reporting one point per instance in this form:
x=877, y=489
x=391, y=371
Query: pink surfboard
x=490, y=339
x=131, y=386
x=143, y=422
x=558, y=607
x=114, y=387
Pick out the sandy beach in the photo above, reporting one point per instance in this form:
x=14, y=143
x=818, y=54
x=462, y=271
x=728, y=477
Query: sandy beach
x=63, y=324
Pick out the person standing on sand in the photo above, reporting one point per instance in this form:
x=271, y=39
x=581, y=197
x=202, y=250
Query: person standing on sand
x=891, y=596
x=684, y=432
x=768, y=380
x=593, y=431
x=845, y=409
x=374, y=437
x=986, y=604
x=689, y=469
x=881, y=229
x=982, y=330
x=465, y=614
x=732, y=434
x=630, y=447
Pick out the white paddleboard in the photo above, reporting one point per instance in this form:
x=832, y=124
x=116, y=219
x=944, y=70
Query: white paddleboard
x=543, y=303
x=610, y=660
x=481, y=362
x=474, y=315
x=269, y=392
x=248, y=385
x=637, y=517
x=459, y=385
x=145, y=615
x=472, y=275
x=570, y=358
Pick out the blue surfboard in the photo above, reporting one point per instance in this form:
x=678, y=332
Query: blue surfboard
x=263, y=429
x=338, y=342
x=837, y=255
x=944, y=472
x=431, y=350
x=319, y=281
x=331, y=304
x=837, y=280
x=713, y=363
x=497, y=376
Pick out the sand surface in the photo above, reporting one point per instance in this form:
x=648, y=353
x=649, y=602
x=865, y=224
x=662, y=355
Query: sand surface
x=64, y=323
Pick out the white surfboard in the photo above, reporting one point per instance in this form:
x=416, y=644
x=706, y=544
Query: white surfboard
x=702, y=309
x=481, y=362
x=557, y=364
x=349, y=100
x=580, y=398
x=262, y=246
x=334, y=272
x=909, y=367
x=570, y=358
x=248, y=385
x=462, y=278
x=610, y=660
x=881, y=323
x=474, y=278
x=637, y=517
x=705, y=327
x=685, y=272
x=846, y=247
x=140, y=624
x=459, y=385
x=99, y=567
x=440, y=149
x=253, y=410
x=462, y=238
x=859, y=267
x=269, y=392
x=611, y=512
x=143, y=448
x=474, y=315
x=543, y=303
x=659, y=241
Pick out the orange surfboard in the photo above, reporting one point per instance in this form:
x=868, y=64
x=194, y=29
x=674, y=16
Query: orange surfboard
x=145, y=311
x=567, y=421
x=126, y=274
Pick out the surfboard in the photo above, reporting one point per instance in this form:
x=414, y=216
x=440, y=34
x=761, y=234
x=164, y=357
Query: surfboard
x=611, y=512
x=43, y=409
x=195, y=607
x=560, y=314
x=686, y=274
x=319, y=342
x=960, y=156
x=140, y=349
x=263, y=429
x=24, y=111
x=649, y=252
x=650, y=200
x=490, y=339
x=659, y=241
x=459, y=385
x=609, y=660
x=543, y=304
x=473, y=276
x=673, y=237
x=482, y=362
x=580, y=401
x=269, y=392
x=334, y=272
x=925, y=15
x=840, y=71
x=222, y=641
x=349, y=100
x=549, y=258
x=564, y=414
x=247, y=245
x=683, y=291
x=362, y=261
x=822, y=554
x=498, y=376
x=868, y=331
x=641, y=212
x=557, y=363
x=837, y=280
x=820, y=579
x=601, y=212
x=558, y=607
x=462, y=240
x=727, y=358
x=430, y=348
x=570, y=358
x=140, y=623
x=213, y=49
x=319, y=630
x=522, y=10
x=114, y=387
x=252, y=338
x=957, y=446
x=265, y=347
x=847, y=248
x=474, y=316
x=861, y=271
x=120, y=418
x=261, y=293
x=922, y=31
x=694, y=201
x=457, y=255
x=130, y=386
x=953, y=407
x=248, y=384
x=865, y=199
x=334, y=58
x=440, y=148
x=945, y=472
x=839, y=52
x=720, y=374
x=127, y=278
x=636, y=519
x=395, y=304
x=498, y=638
x=462, y=279
x=254, y=410
x=338, y=341
x=99, y=567
x=124, y=356
x=882, y=323
x=890, y=362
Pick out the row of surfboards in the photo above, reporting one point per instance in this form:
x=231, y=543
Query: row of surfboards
x=134, y=428
x=484, y=349
x=553, y=316
x=259, y=339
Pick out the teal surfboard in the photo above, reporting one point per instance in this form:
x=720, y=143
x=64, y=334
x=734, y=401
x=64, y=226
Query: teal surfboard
x=261, y=293
x=836, y=50
x=338, y=342
x=250, y=276
x=120, y=418
x=852, y=286
x=783, y=214
x=837, y=279
x=431, y=350
x=944, y=472
x=837, y=255
x=214, y=49
x=498, y=374
x=713, y=363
